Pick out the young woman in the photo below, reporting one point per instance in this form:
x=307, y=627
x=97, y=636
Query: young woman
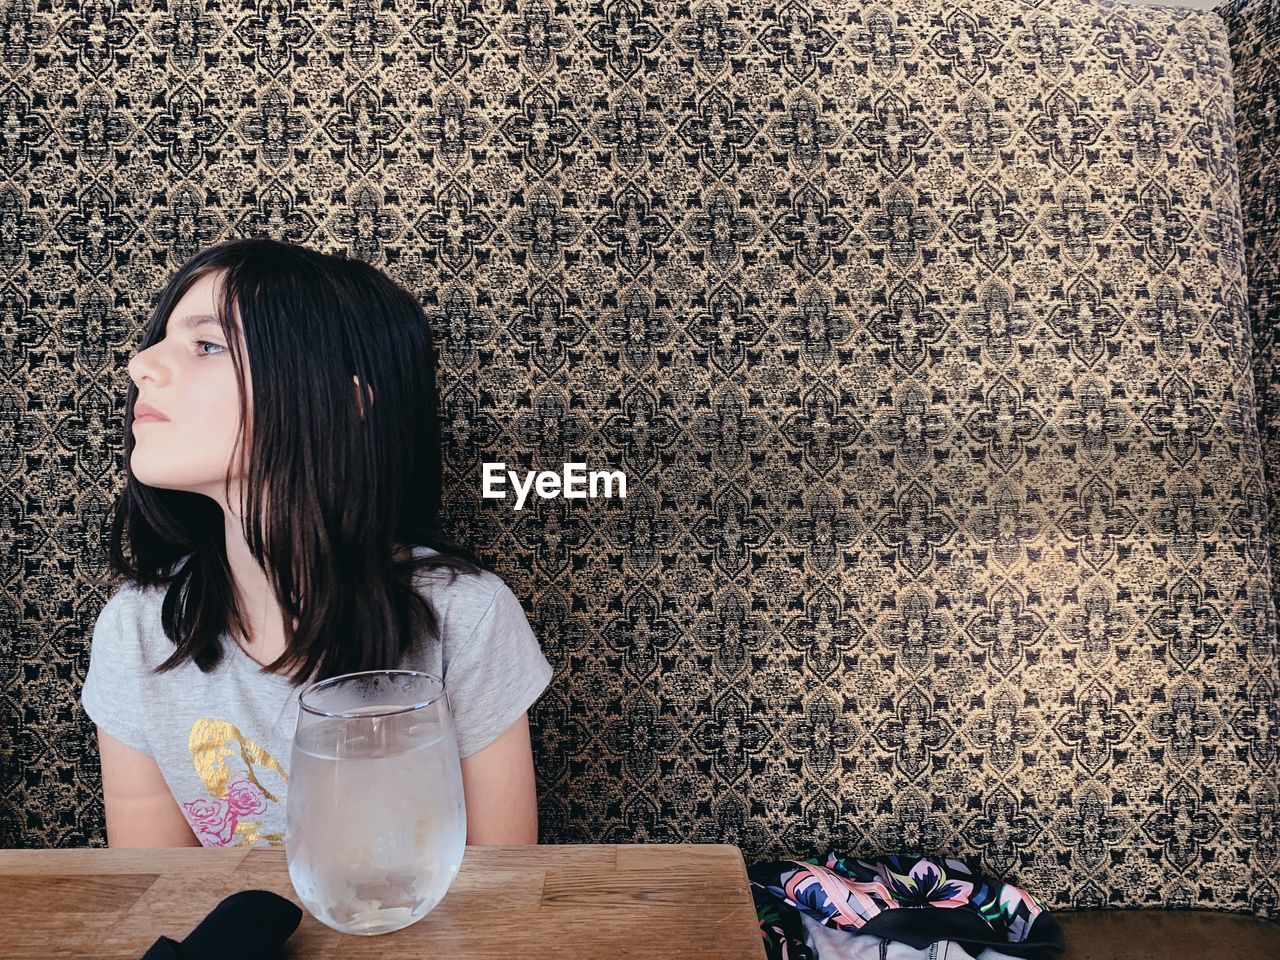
x=282, y=484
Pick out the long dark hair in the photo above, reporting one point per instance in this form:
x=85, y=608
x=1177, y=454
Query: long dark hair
x=327, y=495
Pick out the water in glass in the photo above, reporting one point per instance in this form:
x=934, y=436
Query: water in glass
x=376, y=817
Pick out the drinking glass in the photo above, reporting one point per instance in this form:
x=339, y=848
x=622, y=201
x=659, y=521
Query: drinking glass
x=376, y=822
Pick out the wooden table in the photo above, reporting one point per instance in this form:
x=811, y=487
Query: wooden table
x=511, y=902
x=1167, y=935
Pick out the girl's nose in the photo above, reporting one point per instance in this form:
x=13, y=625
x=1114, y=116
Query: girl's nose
x=145, y=364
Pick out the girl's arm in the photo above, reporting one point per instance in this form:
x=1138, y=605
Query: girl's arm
x=501, y=795
x=140, y=809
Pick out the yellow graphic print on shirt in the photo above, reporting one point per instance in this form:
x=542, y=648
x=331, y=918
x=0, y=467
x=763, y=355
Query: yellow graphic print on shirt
x=233, y=769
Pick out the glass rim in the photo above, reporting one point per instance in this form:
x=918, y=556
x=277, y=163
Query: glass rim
x=364, y=712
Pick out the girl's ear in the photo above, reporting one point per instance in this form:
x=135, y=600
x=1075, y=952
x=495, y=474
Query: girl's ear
x=359, y=400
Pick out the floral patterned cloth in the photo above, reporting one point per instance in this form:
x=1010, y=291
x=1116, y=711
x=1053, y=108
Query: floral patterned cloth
x=214, y=819
x=916, y=900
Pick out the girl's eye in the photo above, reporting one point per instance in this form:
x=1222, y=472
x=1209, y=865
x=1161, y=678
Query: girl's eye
x=206, y=343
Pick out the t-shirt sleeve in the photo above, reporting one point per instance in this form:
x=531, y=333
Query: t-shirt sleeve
x=494, y=674
x=111, y=694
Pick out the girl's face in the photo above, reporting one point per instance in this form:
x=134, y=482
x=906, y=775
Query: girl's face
x=189, y=377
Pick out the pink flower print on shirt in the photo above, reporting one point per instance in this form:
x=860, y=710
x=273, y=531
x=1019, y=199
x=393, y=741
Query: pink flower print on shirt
x=214, y=821
x=245, y=798
x=244, y=787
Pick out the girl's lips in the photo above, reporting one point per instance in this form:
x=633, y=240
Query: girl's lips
x=148, y=419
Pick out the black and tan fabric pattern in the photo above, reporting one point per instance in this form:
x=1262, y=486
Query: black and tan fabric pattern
x=919, y=330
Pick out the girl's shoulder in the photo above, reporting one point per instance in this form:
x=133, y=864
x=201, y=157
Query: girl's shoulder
x=129, y=625
x=457, y=593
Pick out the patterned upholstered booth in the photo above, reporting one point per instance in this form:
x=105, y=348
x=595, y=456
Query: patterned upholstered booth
x=922, y=331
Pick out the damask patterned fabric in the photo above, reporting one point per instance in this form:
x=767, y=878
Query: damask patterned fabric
x=919, y=330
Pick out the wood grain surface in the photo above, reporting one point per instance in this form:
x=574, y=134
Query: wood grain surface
x=1167, y=935
x=579, y=901
x=582, y=901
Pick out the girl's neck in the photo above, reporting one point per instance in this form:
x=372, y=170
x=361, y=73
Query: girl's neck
x=264, y=619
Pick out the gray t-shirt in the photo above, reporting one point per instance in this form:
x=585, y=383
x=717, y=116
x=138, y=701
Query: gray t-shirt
x=223, y=739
